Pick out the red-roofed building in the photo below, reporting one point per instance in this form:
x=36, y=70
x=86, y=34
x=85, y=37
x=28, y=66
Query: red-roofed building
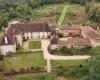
x=92, y=34
x=17, y=33
x=75, y=43
x=70, y=30
x=78, y=36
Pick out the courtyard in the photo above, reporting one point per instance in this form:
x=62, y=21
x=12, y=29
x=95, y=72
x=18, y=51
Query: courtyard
x=32, y=44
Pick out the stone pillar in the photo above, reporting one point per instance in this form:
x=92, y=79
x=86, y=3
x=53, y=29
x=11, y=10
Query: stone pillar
x=48, y=66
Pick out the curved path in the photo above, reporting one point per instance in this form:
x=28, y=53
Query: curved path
x=47, y=55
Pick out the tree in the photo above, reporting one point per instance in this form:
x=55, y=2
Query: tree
x=93, y=11
x=24, y=11
x=3, y=21
x=94, y=51
x=94, y=71
x=12, y=14
x=1, y=62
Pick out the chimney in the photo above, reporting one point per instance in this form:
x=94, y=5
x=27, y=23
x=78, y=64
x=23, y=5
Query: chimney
x=6, y=41
x=13, y=30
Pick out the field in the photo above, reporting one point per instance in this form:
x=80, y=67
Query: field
x=48, y=10
x=63, y=14
x=58, y=13
x=34, y=44
x=24, y=60
x=35, y=59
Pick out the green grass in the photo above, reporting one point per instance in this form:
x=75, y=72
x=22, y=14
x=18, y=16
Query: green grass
x=52, y=9
x=34, y=44
x=63, y=14
x=1, y=33
x=37, y=76
x=60, y=11
x=24, y=60
x=27, y=60
x=68, y=62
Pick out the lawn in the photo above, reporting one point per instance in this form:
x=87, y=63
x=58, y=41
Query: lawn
x=35, y=59
x=27, y=60
x=68, y=62
x=63, y=14
x=34, y=44
x=46, y=10
x=24, y=60
x=38, y=76
x=1, y=33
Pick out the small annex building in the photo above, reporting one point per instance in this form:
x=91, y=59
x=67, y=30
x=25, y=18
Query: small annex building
x=70, y=30
x=75, y=43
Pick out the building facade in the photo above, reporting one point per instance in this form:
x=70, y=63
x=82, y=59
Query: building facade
x=17, y=33
x=72, y=30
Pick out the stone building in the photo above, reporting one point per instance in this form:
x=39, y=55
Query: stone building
x=72, y=30
x=17, y=33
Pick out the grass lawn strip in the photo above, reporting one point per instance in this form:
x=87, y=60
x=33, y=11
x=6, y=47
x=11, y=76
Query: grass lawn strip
x=68, y=62
x=63, y=14
x=34, y=44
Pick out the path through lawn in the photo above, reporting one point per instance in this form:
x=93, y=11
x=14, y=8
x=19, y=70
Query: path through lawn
x=63, y=14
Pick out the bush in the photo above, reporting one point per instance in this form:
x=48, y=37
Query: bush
x=72, y=71
x=45, y=77
x=60, y=35
x=70, y=51
x=1, y=57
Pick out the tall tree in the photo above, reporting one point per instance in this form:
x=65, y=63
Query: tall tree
x=94, y=71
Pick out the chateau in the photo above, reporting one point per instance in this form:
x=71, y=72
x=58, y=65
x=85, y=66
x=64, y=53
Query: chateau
x=74, y=36
x=17, y=33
